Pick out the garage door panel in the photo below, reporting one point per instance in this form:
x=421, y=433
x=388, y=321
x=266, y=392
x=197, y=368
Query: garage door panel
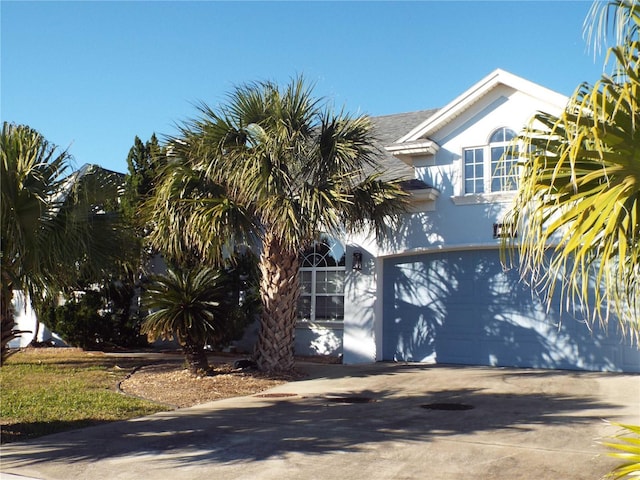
x=463, y=320
x=630, y=360
x=463, y=308
x=458, y=351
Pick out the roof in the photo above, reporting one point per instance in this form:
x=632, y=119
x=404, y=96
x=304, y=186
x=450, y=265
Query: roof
x=408, y=133
x=460, y=104
x=389, y=128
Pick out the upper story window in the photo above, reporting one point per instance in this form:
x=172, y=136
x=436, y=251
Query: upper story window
x=322, y=275
x=487, y=168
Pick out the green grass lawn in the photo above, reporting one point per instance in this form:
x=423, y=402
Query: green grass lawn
x=49, y=390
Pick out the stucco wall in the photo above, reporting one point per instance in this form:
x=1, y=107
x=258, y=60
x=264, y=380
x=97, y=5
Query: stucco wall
x=360, y=300
x=26, y=321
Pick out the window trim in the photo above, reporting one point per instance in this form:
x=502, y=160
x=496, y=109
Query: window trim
x=488, y=175
x=480, y=198
x=313, y=294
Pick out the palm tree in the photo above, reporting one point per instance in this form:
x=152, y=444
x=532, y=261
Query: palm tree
x=188, y=305
x=626, y=448
x=37, y=238
x=578, y=202
x=54, y=229
x=273, y=167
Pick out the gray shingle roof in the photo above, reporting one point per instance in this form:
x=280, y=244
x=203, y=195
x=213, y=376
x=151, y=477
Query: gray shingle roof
x=389, y=128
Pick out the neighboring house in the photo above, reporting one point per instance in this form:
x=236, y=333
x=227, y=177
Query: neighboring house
x=437, y=291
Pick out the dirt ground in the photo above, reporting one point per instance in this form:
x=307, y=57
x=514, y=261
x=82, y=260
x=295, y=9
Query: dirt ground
x=173, y=385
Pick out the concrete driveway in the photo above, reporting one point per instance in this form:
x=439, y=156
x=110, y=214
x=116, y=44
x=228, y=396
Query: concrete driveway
x=382, y=421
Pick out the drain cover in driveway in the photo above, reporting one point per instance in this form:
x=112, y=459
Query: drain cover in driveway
x=350, y=399
x=447, y=406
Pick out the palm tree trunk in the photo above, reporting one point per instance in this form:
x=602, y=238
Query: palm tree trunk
x=197, y=361
x=279, y=289
x=7, y=322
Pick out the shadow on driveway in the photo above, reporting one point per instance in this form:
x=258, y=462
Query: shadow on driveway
x=557, y=411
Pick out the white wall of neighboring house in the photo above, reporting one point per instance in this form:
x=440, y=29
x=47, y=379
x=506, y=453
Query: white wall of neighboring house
x=26, y=321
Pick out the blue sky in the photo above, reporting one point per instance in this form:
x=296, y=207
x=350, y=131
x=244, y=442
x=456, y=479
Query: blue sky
x=90, y=76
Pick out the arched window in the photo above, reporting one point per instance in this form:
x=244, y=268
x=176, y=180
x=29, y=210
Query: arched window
x=502, y=135
x=503, y=166
x=488, y=168
x=322, y=274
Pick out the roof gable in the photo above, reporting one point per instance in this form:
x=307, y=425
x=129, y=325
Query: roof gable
x=463, y=102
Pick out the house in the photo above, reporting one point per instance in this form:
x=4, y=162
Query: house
x=437, y=292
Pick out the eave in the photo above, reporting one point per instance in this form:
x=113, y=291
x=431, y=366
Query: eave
x=463, y=102
x=407, y=152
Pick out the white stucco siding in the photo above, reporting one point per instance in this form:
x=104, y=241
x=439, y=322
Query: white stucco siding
x=318, y=338
x=458, y=220
x=26, y=321
x=502, y=107
x=360, y=302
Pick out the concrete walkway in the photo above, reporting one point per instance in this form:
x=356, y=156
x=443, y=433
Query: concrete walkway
x=360, y=422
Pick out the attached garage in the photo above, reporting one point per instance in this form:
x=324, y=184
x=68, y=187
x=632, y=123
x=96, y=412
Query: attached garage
x=460, y=307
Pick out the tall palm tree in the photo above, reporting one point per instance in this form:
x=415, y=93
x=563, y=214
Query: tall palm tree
x=188, y=305
x=578, y=202
x=36, y=237
x=53, y=226
x=273, y=167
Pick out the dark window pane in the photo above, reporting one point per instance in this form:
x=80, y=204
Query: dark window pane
x=468, y=157
x=497, y=136
x=304, y=308
x=468, y=171
x=468, y=186
x=305, y=282
x=330, y=308
x=502, y=135
x=496, y=153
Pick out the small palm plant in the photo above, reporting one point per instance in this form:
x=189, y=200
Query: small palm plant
x=188, y=305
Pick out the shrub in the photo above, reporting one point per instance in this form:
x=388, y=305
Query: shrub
x=95, y=320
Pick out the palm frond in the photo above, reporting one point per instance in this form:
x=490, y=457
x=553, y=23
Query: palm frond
x=617, y=18
x=626, y=448
x=277, y=155
x=579, y=197
x=185, y=303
